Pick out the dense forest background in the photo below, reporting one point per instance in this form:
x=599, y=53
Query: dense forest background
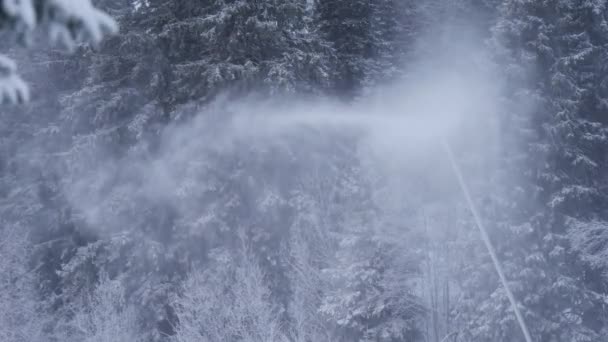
x=248, y=170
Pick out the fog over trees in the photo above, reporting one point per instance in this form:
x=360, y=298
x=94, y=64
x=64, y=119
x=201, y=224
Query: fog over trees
x=280, y=171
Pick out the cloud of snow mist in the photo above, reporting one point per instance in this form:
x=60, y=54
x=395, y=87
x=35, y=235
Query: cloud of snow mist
x=395, y=132
x=192, y=187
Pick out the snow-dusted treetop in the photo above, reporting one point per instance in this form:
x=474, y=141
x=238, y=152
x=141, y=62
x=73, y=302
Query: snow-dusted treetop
x=66, y=22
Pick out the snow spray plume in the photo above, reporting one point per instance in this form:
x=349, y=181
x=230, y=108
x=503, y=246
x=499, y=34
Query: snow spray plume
x=258, y=147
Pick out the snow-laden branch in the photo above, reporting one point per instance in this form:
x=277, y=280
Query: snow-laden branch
x=71, y=21
x=12, y=88
x=66, y=22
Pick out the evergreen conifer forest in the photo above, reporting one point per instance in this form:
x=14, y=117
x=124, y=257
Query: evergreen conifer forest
x=303, y=170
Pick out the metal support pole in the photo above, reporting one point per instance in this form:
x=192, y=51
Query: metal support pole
x=486, y=239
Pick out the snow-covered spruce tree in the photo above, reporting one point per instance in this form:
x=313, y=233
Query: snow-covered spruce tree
x=123, y=88
x=347, y=26
x=369, y=40
x=228, y=301
x=574, y=57
x=32, y=191
x=171, y=53
x=394, y=25
x=238, y=45
x=306, y=253
x=368, y=296
x=21, y=317
x=68, y=254
x=551, y=52
x=101, y=315
x=66, y=21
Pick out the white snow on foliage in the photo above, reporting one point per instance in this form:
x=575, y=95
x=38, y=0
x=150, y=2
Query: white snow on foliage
x=67, y=22
x=12, y=88
x=22, y=11
x=93, y=23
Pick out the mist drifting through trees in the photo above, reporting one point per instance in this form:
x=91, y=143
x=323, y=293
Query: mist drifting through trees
x=276, y=171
